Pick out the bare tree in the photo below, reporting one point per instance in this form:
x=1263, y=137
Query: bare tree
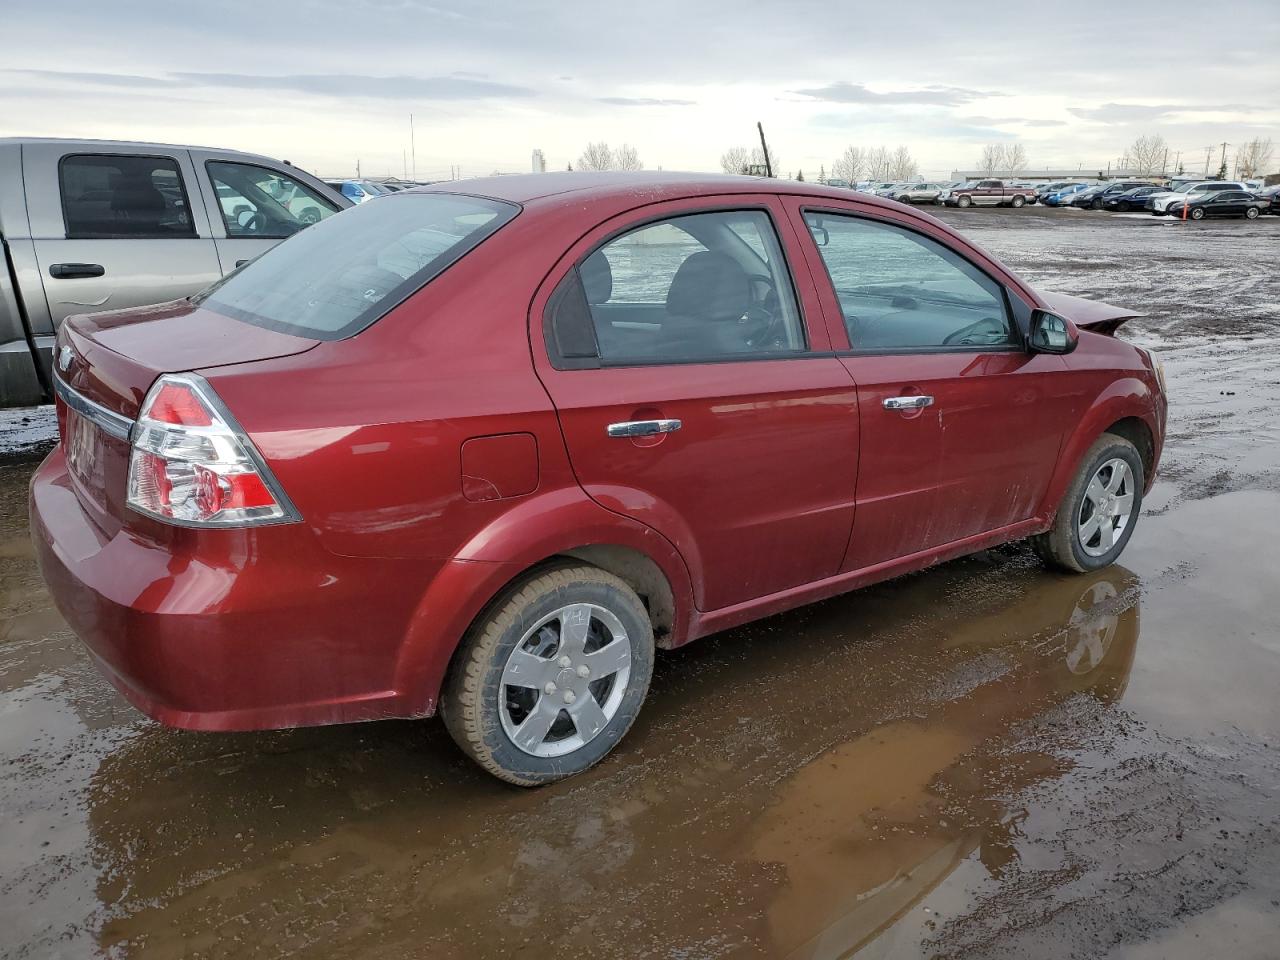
x=1147, y=154
x=850, y=165
x=738, y=159
x=992, y=159
x=735, y=160
x=879, y=161
x=627, y=158
x=1015, y=159
x=903, y=166
x=1254, y=158
x=597, y=156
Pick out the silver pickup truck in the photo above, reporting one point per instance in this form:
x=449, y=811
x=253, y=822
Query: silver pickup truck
x=89, y=225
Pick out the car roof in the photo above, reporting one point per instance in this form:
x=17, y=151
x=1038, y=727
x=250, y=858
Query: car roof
x=649, y=187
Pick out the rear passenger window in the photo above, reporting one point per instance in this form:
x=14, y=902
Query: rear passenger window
x=899, y=290
x=123, y=196
x=708, y=286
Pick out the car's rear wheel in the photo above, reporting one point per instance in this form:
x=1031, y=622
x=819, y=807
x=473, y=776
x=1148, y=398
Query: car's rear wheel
x=1019, y=201
x=964, y=202
x=1251, y=213
x=1197, y=213
x=1100, y=509
x=551, y=678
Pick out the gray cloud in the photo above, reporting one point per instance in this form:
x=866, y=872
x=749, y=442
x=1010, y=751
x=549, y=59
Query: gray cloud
x=1149, y=112
x=357, y=85
x=1023, y=121
x=644, y=102
x=842, y=91
x=457, y=86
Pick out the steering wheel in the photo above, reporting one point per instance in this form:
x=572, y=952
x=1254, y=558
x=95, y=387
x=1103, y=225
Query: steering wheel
x=987, y=325
x=764, y=317
x=251, y=221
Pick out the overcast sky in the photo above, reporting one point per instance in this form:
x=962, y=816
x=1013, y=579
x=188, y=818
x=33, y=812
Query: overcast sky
x=324, y=82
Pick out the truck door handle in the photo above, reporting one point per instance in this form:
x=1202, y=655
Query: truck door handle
x=241, y=263
x=642, y=428
x=72, y=271
x=907, y=403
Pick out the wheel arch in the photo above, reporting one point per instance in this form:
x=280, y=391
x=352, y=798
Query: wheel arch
x=1125, y=409
x=562, y=527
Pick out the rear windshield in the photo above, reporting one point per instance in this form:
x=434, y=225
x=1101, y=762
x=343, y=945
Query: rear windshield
x=340, y=275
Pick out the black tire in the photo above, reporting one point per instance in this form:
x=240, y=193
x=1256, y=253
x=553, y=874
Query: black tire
x=1061, y=545
x=1095, y=204
x=1197, y=213
x=1251, y=213
x=1123, y=206
x=470, y=702
x=964, y=202
x=1018, y=201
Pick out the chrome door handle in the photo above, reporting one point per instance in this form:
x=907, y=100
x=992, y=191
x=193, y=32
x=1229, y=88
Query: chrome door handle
x=642, y=428
x=907, y=403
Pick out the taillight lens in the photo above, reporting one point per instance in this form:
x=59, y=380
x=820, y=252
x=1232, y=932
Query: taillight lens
x=192, y=465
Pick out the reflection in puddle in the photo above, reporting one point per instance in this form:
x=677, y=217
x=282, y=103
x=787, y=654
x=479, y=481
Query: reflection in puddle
x=796, y=788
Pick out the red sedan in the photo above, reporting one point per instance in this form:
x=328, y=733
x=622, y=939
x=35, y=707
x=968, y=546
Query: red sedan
x=483, y=447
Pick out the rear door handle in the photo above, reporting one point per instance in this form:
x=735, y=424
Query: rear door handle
x=907, y=403
x=642, y=428
x=72, y=271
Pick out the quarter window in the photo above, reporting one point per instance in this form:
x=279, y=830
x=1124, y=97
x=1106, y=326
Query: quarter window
x=264, y=203
x=107, y=197
x=707, y=286
x=899, y=290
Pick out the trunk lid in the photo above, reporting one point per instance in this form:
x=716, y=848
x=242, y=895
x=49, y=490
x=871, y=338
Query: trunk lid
x=1090, y=314
x=107, y=362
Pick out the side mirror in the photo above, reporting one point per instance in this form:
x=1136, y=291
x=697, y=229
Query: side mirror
x=1051, y=334
x=819, y=234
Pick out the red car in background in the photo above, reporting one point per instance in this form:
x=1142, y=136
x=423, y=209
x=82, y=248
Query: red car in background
x=481, y=447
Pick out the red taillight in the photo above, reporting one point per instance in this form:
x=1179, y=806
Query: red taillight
x=178, y=404
x=191, y=465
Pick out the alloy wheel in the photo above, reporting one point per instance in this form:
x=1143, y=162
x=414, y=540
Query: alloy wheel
x=565, y=680
x=1107, y=507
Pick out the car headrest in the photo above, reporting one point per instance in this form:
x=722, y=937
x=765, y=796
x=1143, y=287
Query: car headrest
x=597, y=278
x=709, y=286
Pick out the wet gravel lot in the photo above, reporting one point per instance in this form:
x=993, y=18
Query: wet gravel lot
x=982, y=760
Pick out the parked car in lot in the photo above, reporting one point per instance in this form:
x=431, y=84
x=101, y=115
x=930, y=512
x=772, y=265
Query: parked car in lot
x=1220, y=203
x=99, y=225
x=1096, y=197
x=1272, y=196
x=917, y=193
x=886, y=188
x=358, y=191
x=480, y=448
x=1062, y=196
x=1133, y=199
x=1159, y=203
x=988, y=193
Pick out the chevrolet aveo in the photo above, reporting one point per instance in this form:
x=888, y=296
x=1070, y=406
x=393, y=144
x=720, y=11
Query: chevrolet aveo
x=481, y=448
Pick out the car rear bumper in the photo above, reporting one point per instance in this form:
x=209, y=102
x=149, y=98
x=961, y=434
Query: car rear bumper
x=232, y=629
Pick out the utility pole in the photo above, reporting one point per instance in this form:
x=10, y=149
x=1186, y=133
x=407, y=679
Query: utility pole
x=768, y=164
x=413, y=148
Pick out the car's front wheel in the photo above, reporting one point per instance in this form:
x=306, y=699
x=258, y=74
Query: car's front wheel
x=1197, y=213
x=549, y=681
x=1100, y=509
x=964, y=202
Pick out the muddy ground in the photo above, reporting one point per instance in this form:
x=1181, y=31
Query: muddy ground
x=983, y=760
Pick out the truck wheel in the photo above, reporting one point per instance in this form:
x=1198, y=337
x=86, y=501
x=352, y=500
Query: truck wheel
x=550, y=679
x=1100, y=509
x=965, y=202
x=1018, y=201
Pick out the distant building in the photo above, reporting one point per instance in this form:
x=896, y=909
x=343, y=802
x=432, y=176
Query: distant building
x=539, y=161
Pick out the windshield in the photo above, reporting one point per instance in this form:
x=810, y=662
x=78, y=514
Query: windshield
x=339, y=276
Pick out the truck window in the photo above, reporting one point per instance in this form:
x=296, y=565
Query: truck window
x=116, y=196
x=260, y=202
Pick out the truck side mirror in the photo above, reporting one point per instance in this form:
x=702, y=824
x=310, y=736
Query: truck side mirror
x=1051, y=334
